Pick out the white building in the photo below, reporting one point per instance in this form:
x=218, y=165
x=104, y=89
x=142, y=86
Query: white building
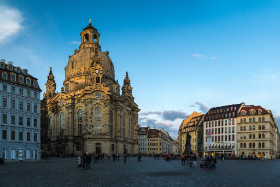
x=222, y=123
x=20, y=114
x=142, y=139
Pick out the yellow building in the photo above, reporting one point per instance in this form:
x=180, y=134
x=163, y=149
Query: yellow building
x=257, y=132
x=90, y=114
x=154, y=141
x=191, y=126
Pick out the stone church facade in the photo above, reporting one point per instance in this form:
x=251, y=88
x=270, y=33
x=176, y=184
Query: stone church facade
x=91, y=113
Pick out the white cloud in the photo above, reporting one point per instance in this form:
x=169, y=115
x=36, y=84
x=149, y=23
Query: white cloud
x=10, y=22
x=74, y=42
x=202, y=56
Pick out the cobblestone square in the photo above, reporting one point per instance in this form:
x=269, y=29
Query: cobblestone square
x=149, y=172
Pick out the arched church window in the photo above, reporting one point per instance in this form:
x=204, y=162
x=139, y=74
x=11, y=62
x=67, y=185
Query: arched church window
x=72, y=65
x=97, y=113
x=62, y=120
x=80, y=115
x=123, y=126
x=86, y=37
x=51, y=123
x=97, y=80
x=94, y=38
x=97, y=127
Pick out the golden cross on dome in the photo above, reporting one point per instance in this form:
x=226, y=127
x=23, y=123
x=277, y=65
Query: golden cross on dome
x=89, y=21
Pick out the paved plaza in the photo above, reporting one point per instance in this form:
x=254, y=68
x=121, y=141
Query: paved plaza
x=149, y=172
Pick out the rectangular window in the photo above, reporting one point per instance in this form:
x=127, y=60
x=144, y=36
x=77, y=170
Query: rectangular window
x=35, y=108
x=20, y=80
x=28, y=136
x=4, y=134
x=28, y=122
x=13, y=119
x=13, y=103
x=20, y=135
x=5, y=88
x=28, y=93
x=5, y=120
x=21, y=91
x=13, y=135
x=28, y=107
x=20, y=120
x=35, y=122
x=13, y=89
x=5, y=104
x=225, y=122
x=35, y=95
x=21, y=105
x=35, y=137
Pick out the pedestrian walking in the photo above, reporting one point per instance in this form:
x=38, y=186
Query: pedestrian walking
x=88, y=161
x=84, y=160
x=194, y=161
x=79, y=161
x=139, y=158
x=183, y=159
x=124, y=157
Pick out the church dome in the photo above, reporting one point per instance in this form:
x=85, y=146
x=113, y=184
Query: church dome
x=79, y=64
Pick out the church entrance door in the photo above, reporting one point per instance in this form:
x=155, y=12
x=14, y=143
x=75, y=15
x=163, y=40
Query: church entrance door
x=98, y=150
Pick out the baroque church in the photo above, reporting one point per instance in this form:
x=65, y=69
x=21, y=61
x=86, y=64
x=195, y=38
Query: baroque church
x=91, y=113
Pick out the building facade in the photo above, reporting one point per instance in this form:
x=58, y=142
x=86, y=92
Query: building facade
x=20, y=114
x=142, y=139
x=221, y=122
x=187, y=127
x=90, y=114
x=257, y=132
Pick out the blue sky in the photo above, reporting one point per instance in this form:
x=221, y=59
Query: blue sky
x=181, y=55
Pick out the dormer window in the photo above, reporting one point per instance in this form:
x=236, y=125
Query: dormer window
x=20, y=80
x=259, y=111
x=2, y=66
x=28, y=82
x=10, y=68
x=13, y=77
x=35, y=84
x=24, y=72
x=4, y=76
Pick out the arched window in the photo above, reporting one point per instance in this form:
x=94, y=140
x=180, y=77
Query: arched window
x=97, y=113
x=260, y=127
x=250, y=136
x=254, y=145
x=263, y=127
x=97, y=80
x=250, y=120
x=250, y=127
x=260, y=145
x=244, y=128
x=72, y=65
x=123, y=126
x=254, y=136
x=250, y=145
x=241, y=128
x=244, y=145
x=94, y=38
x=61, y=120
x=241, y=120
x=80, y=115
x=263, y=144
x=241, y=145
x=244, y=120
x=254, y=127
x=263, y=135
x=260, y=119
x=111, y=123
x=260, y=136
x=254, y=120
x=51, y=123
x=86, y=38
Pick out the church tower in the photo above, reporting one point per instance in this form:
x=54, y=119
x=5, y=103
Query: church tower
x=50, y=86
x=126, y=88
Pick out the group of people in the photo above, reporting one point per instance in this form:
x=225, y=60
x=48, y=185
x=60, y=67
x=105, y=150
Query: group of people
x=191, y=160
x=84, y=161
x=209, y=162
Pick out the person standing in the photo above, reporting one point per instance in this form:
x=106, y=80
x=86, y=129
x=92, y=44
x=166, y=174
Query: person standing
x=183, y=159
x=139, y=158
x=88, y=161
x=124, y=157
x=194, y=161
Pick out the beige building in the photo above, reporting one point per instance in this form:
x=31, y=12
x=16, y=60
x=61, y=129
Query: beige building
x=191, y=126
x=257, y=132
x=90, y=114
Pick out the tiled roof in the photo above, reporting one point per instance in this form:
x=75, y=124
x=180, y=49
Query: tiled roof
x=247, y=108
x=223, y=112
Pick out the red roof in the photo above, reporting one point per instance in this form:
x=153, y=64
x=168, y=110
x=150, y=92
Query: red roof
x=247, y=108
